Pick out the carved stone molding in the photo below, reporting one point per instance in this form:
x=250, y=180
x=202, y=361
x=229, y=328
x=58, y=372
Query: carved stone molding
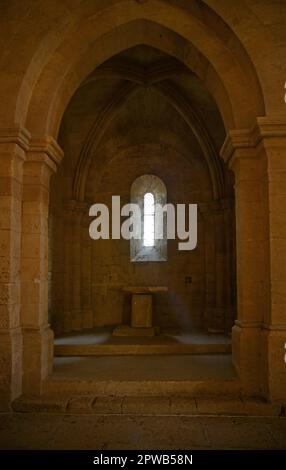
x=15, y=135
x=44, y=149
x=47, y=145
x=264, y=128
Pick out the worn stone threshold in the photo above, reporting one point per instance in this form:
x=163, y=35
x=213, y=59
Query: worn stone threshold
x=121, y=388
x=150, y=405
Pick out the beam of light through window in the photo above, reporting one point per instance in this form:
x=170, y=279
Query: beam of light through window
x=149, y=220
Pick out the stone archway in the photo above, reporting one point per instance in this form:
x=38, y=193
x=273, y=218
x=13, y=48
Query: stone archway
x=254, y=148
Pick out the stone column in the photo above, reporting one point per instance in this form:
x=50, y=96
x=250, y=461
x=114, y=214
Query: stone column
x=220, y=258
x=216, y=265
x=86, y=257
x=77, y=209
x=210, y=263
x=271, y=146
x=252, y=269
x=56, y=264
x=230, y=268
x=13, y=144
x=67, y=278
x=42, y=159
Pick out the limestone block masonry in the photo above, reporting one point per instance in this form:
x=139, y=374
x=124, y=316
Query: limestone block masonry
x=95, y=94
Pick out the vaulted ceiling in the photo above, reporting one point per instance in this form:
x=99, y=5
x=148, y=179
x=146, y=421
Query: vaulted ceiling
x=136, y=96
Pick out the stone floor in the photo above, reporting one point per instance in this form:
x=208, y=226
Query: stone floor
x=102, y=432
x=144, y=375
x=101, y=342
x=172, y=367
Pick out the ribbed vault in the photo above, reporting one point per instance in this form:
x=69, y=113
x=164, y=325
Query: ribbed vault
x=155, y=76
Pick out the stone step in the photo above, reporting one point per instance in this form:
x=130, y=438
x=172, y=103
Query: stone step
x=142, y=387
x=61, y=350
x=150, y=405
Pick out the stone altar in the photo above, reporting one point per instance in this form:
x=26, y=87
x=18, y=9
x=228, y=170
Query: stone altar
x=141, y=312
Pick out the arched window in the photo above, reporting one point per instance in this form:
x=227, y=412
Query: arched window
x=149, y=220
x=149, y=192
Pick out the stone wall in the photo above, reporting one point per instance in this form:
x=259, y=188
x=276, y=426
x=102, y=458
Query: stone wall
x=97, y=270
x=221, y=69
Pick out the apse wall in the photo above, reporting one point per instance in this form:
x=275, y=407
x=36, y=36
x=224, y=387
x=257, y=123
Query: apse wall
x=173, y=131
x=186, y=182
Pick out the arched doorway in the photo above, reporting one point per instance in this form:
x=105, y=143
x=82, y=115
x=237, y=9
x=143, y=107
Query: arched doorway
x=37, y=99
x=108, y=144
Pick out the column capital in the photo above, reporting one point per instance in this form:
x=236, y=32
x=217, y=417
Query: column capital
x=46, y=150
x=270, y=127
x=245, y=141
x=15, y=135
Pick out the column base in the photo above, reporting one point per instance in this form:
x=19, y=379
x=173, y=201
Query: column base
x=273, y=353
x=218, y=319
x=246, y=356
x=37, y=358
x=11, y=347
